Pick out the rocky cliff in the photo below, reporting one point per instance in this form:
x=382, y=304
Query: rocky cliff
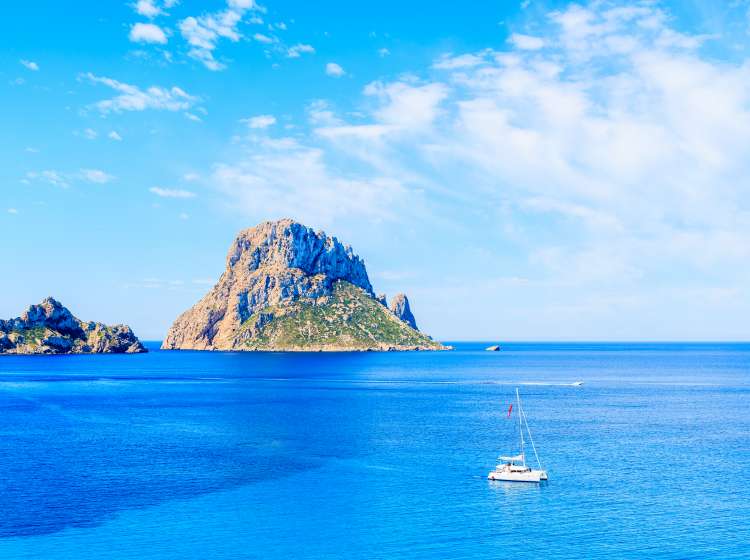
x=400, y=308
x=287, y=287
x=49, y=328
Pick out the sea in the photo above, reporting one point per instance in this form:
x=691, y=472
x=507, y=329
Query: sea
x=197, y=455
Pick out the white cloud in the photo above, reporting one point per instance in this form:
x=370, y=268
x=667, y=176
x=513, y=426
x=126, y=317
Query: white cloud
x=203, y=33
x=12, y=211
x=526, y=42
x=284, y=177
x=64, y=180
x=132, y=98
x=50, y=176
x=334, y=70
x=184, y=216
x=147, y=33
x=95, y=176
x=263, y=38
x=191, y=177
x=383, y=52
x=450, y=62
x=260, y=121
x=618, y=129
x=297, y=50
x=193, y=117
x=171, y=193
x=90, y=134
x=113, y=135
x=320, y=114
x=30, y=65
x=153, y=8
x=147, y=8
x=405, y=105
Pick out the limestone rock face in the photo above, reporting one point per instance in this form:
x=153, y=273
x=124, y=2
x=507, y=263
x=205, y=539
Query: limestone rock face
x=50, y=328
x=400, y=308
x=286, y=286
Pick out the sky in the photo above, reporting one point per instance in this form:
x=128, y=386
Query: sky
x=525, y=170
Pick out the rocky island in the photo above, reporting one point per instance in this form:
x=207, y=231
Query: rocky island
x=289, y=288
x=49, y=328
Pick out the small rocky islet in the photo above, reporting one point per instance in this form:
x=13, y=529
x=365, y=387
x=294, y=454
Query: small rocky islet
x=50, y=328
x=287, y=287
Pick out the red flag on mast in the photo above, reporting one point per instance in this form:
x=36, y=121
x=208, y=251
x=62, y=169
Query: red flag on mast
x=510, y=409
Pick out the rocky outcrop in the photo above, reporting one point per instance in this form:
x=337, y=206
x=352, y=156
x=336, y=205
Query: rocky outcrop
x=50, y=328
x=287, y=287
x=400, y=308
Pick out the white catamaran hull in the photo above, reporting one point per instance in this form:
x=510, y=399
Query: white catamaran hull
x=515, y=476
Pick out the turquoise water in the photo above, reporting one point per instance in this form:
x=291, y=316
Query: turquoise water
x=221, y=455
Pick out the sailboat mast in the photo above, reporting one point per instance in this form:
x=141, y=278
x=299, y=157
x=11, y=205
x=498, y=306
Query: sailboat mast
x=520, y=425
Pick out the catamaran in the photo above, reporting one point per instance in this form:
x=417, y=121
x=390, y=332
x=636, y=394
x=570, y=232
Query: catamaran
x=513, y=468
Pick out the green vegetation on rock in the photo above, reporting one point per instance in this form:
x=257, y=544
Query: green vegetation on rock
x=349, y=319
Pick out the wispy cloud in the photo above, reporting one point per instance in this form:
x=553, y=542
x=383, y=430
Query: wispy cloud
x=132, y=98
x=64, y=180
x=261, y=38
x=30, y=65
x=113, y=135
x=334, y=70
x=259, y=121
x=451, y=62
x=96, y=176
x=203, y=33
x=295, y=51
x=153, y=8
x=526, y=42
x=50, y=176
x=285, y=177
x=171, y=193
x=147, y=33
x=12, y=211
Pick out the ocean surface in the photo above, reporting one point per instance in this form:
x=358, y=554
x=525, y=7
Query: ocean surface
x=189, y=455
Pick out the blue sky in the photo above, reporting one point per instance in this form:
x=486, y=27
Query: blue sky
x=522, y=170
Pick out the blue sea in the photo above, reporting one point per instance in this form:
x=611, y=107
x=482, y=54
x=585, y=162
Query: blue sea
x=190, y=455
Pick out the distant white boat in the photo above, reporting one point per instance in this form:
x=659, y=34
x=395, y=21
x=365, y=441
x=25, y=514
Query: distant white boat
x=577, y=383
x=513, y=468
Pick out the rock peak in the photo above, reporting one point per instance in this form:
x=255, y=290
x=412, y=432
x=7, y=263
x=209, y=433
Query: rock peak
x=287, y=286
x=288, y=244
x=401, y=309
x=54, y=314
